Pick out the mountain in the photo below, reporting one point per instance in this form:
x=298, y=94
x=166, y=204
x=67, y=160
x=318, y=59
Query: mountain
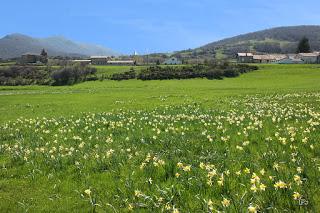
x=275, y=40
x=15, y=45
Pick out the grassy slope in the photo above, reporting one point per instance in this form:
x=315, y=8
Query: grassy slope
x=31, y=101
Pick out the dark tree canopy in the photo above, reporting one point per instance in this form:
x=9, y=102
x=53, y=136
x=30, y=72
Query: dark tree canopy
x=304, y=46
x=44, y=53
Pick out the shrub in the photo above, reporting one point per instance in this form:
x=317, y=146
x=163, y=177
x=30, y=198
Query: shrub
x=209, y=71
x=24, y=75
x=131, y=74
x=69, y=75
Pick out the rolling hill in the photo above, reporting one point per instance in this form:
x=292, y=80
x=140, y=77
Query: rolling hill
x=14, y=45
x=275, y=40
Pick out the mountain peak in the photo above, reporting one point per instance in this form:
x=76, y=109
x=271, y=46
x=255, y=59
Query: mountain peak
x=16, y=36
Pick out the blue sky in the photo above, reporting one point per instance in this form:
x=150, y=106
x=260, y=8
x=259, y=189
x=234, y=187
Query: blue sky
x=151, y=25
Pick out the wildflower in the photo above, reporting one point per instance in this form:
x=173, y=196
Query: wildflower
x=160, y=199
x=202, y=165
x=161, y=162
x=252, y=209
x=143, y=165
x=254, y=188
x=247, y=170
x=177, y=175
x=255, y=178
x=212, y=173
x=167, y=206
x=239, y=148
x=225, y=202
x=221, y=180
x=179, y=165
x=87, y=192
x=296, y=196
x=297, y=179
x=187, y=168
x=130, y=207
x=276, y=166
x=299, y=169
x=280, y=184
x=137, y=193
x=175, y=210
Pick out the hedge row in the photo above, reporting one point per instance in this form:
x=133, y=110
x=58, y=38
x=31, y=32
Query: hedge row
x=212, y=71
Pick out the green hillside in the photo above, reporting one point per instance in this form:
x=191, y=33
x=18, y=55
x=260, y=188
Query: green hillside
x=275, y=40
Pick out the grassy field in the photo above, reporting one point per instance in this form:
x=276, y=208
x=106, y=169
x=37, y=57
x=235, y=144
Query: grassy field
x=241, y=144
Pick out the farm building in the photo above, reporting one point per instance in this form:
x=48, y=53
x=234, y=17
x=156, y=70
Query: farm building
x=310, y=58
x=127, y=62
x=245, y=57
x=105, y=60
x=268, y=58
x=172, y=61
x=30, y=58
x=99, y=60
x=82, y=61
x=290, y=60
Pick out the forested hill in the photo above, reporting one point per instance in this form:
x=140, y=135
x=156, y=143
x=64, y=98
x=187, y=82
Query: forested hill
x=275, y=40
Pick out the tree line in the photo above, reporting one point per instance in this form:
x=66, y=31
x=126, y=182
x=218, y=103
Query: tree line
x=45, y=75
x=209, y=71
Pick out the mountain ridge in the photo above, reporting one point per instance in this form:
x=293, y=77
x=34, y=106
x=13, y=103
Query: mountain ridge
x=16, y=44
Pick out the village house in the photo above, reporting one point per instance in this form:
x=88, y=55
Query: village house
x=309, y=58
x=245, y=57
x=172, y=61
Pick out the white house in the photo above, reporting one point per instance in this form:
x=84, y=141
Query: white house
x=172, y=61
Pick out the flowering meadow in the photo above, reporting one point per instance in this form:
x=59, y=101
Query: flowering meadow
x=259, y=154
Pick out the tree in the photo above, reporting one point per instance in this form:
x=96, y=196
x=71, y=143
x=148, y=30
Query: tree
x=44, y=53
x=44, y=56
x=304, y=46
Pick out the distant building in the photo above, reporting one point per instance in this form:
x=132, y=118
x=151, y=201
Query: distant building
x=82, y=61
x=105, y=60
x=99, y=60
x=290, y=60
x=269, y=58
x=31, y=58
x=172, y=61
x=309, y=58
x=126, y=62
x=245, y=57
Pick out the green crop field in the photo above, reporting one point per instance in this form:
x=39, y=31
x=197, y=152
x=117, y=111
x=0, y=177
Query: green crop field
x=245, y=144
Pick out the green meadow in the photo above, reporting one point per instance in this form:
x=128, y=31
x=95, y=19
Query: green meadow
x=101, y=96
x=245, y=144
